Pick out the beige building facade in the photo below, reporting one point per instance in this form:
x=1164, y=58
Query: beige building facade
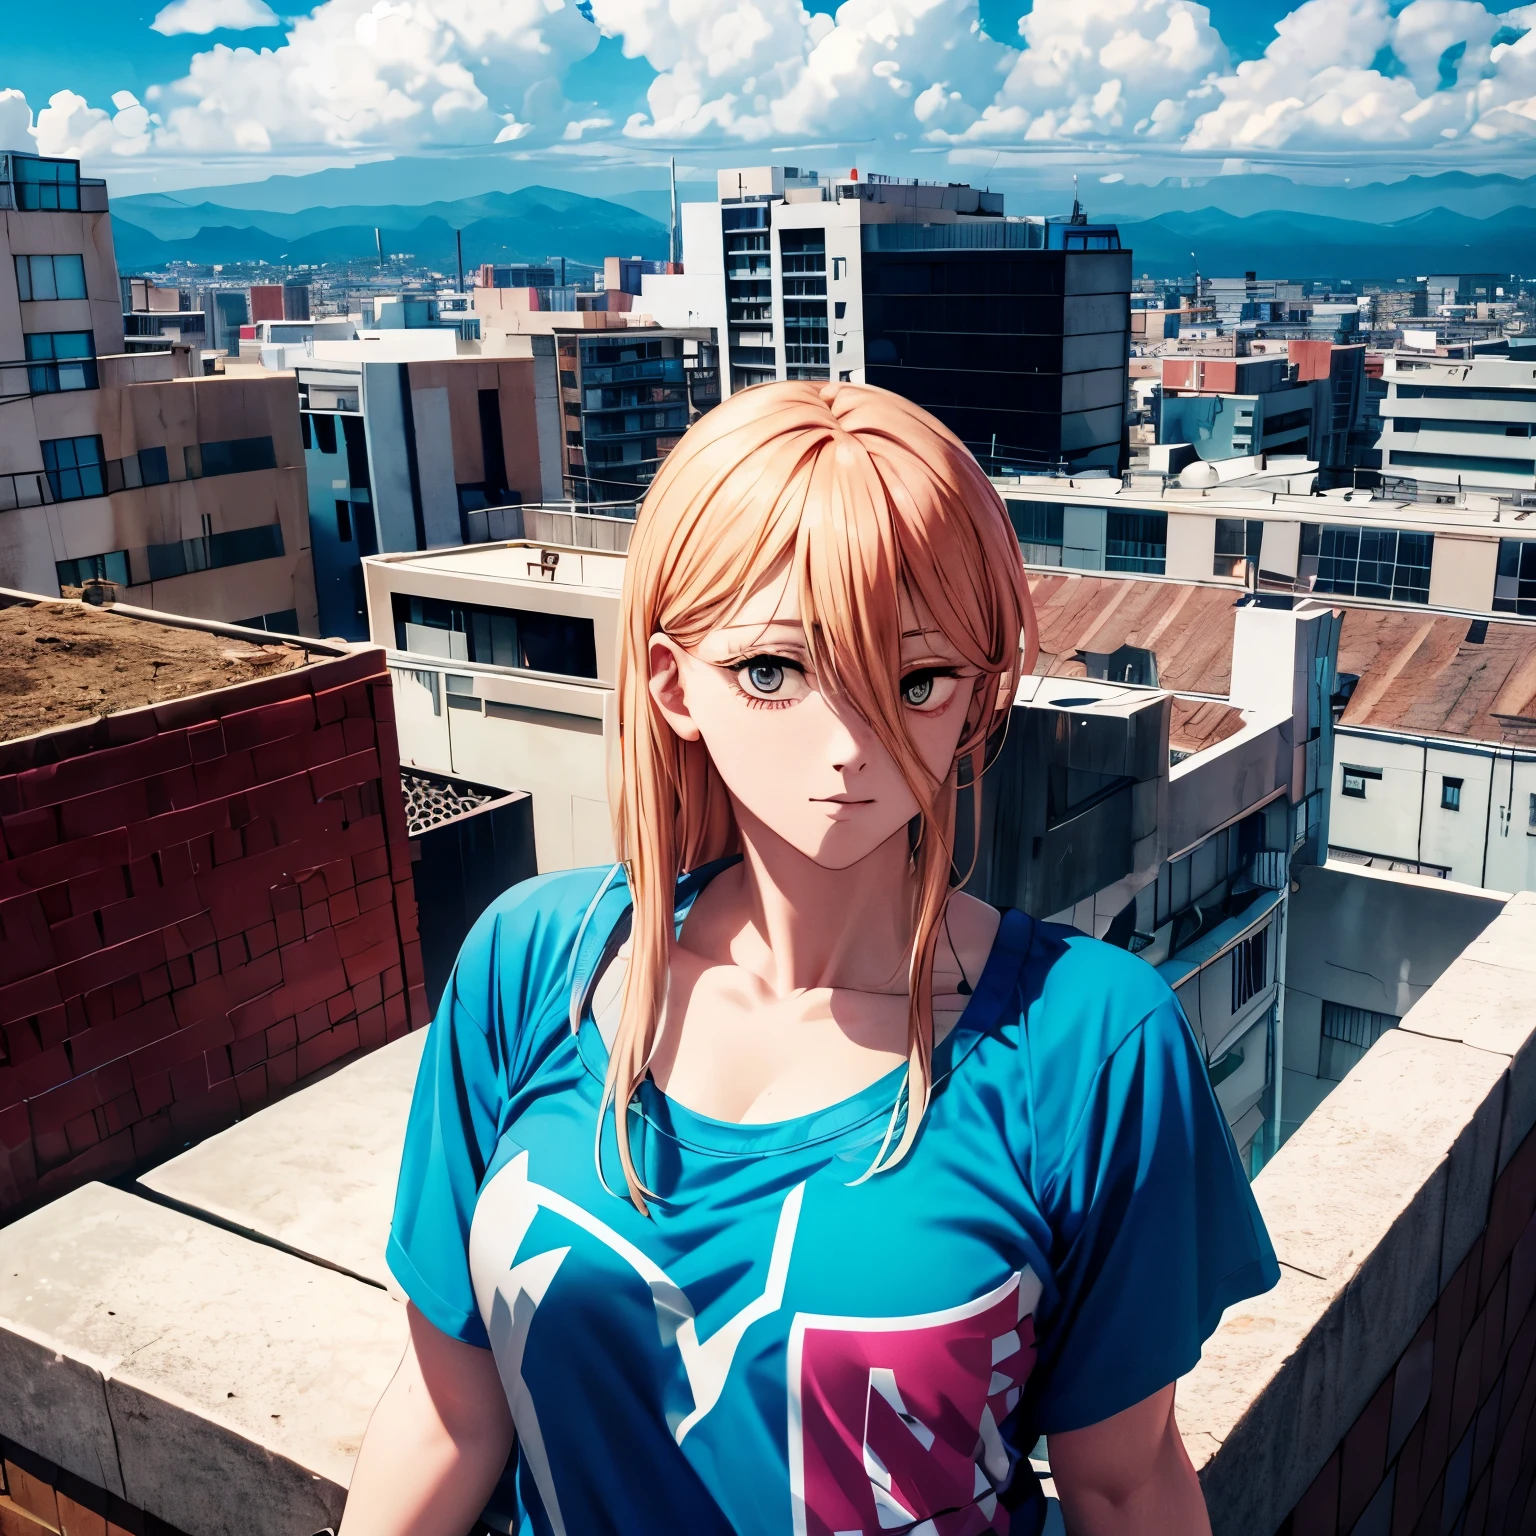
x=185, y=493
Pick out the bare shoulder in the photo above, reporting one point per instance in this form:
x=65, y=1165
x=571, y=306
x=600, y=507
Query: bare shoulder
x=973, y=926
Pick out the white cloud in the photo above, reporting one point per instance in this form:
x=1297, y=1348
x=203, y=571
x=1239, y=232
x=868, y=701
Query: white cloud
x=203, y=16
x=358, y=73
x=15, y=122
x=1343, y=74
x=69, y=126
x=721, y=68
x=404, y=74
x=1104, y=70
x=894, y=65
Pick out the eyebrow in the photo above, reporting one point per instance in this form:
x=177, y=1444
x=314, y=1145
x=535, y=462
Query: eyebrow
x=761, y=626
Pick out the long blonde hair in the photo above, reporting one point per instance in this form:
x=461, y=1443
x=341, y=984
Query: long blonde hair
x=857, y=492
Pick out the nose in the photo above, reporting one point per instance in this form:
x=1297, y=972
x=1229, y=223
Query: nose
x=848, y=738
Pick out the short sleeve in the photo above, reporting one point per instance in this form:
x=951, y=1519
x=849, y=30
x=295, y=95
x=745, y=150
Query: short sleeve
x=451, y=1133
x=1155, y=1230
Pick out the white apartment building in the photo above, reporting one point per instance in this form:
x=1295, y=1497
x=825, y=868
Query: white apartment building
x=1460, y=422
x=1013, y=331
x=1436, y=749
x=184, y=492
x=1470, y=554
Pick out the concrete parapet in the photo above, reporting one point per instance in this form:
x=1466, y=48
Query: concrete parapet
x=314, y=1174
x=1401, y=1212
x=216, y=1383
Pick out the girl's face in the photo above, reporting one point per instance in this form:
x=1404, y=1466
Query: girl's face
x=797, y=758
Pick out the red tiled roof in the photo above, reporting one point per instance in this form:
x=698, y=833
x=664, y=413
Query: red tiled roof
x=1419, y=672
x=1189, y=628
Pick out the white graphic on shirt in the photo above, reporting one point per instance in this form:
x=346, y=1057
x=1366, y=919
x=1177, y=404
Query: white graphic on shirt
x=509, y=1294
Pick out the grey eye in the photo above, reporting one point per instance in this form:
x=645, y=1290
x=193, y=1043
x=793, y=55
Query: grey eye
x=917, y=689
x=765, y=676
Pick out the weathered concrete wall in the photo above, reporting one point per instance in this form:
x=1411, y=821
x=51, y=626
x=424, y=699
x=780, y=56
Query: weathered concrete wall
x=206, y=1351
x=1366, y=938
x=201, y=903
x=1384, y=1385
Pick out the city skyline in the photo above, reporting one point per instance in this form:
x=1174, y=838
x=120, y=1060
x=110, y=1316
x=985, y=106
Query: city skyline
x=205, y=92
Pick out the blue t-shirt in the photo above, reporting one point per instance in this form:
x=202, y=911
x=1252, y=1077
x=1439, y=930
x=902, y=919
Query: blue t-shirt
x=779, y=1350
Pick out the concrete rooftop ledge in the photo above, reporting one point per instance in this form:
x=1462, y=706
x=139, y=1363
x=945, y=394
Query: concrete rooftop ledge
x=217, y=1383
x=209, y=1348
x=314, y=1173
x=1374, y=1205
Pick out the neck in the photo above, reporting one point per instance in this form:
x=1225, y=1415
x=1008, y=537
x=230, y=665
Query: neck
x=800, y=926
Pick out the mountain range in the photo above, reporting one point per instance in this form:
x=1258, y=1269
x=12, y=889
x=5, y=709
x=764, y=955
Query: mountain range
x=531, y=224
x=1378, y=231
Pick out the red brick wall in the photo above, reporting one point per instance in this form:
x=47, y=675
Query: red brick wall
x=1448, y=1443
x=202, y=903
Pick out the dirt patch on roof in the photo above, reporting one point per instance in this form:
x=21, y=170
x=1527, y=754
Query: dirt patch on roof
x=61, y=663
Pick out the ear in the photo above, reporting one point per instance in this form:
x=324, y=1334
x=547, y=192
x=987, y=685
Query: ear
x=668, y=691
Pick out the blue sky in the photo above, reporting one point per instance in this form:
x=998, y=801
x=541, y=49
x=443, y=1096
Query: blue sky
x=223, y=90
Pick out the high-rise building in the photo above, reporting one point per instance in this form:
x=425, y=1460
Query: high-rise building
x=186, y=493
x=627, y=397
x=1014, y=332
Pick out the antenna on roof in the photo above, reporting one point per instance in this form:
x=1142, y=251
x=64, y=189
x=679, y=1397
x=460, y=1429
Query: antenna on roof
x=1078, y=216
x=672, y=227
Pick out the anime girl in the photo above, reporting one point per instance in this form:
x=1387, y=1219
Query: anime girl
x=767, y=1183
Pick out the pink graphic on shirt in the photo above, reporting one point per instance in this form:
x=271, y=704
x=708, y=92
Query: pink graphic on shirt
x=894, y=1422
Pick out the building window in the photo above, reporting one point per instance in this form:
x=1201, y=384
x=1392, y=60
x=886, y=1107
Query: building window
x=1348, y=1033
x=1237, y=542
x=62, y=361
x=50, y=277
x=1450, y=794
x=74, y=468
x=284, y=622
x=46, y=184
x=558, y=643
x=1250, y=968
x=1355, y=778
x=1461, y=463
x=1514, y=585
x=803, y=261
x=1530, y=815
x=1451, y=392
x=110, y=567
x=1136, y=541
x=1375, y=562
x=324, y=427
x=236, y=456
x=240, y=546
x=1038, y=527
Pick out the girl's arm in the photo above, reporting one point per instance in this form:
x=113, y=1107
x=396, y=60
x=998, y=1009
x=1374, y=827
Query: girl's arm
x=436, y=1444
x=1129, y=1476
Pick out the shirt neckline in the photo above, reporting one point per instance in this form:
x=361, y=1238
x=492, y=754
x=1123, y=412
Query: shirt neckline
x=867, y=1110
